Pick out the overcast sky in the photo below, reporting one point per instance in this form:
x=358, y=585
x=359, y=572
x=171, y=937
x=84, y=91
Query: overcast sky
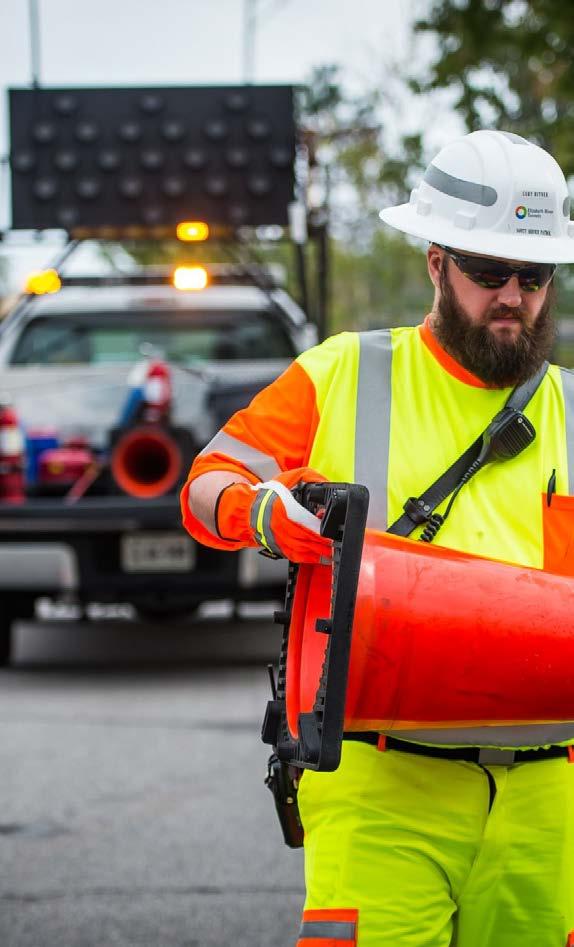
x=155, y=42
x=188, y=41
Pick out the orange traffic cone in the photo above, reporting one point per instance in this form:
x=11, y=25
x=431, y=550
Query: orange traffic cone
x=440, y=639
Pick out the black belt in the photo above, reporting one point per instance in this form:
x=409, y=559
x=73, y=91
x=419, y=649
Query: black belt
x=470, y=754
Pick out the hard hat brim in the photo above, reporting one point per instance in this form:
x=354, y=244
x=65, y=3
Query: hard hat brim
x=525, y=248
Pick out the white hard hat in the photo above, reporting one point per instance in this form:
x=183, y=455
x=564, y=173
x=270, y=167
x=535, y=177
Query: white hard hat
x=492, y=193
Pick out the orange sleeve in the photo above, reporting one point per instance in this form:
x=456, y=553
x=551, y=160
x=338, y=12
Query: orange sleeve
x=280, y=422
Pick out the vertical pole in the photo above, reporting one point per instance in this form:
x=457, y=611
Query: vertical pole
x=34, y=42
x=323, y=279
x=301, y=267
x=249, y=31
x=323, y=261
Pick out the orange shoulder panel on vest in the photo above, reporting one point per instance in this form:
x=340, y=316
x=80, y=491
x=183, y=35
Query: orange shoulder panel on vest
x=449, y=363
x=281, y=420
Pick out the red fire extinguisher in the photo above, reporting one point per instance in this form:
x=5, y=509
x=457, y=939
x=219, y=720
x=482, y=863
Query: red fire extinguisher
x=157, y=392
x=149, y=394
x=12, y=456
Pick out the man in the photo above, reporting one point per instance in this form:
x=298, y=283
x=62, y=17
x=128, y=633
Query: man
x=437, y=841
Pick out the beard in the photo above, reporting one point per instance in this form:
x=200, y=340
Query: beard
x=499, y=363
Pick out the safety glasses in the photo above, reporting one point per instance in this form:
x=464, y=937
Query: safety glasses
x=492, y=274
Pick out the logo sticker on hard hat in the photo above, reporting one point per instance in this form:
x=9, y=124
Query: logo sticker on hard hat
x=534, y=213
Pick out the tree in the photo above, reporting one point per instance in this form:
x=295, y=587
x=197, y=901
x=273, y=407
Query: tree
x=345, y=134
x=511, y=64
x=377, y=277
x=386, y=284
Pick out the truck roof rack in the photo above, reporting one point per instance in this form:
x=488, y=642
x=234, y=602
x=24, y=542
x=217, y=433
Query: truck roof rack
x=221, y=274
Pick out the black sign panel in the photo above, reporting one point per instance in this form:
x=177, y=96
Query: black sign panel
x=141, y=160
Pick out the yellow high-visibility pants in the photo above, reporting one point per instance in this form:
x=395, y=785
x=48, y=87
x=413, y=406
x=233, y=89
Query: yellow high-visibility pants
x=402, y=851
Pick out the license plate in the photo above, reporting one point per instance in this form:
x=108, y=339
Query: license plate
x=157, y=552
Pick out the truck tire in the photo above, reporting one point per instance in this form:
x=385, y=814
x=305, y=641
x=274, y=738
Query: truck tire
x=6, y=638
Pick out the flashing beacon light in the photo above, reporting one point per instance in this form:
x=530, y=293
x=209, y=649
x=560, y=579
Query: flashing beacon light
x=43, y=281
x=192, y=231
x=190, y=277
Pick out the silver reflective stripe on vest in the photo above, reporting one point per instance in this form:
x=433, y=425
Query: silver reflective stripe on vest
x=540, y=734
x=567, y=378
x=373, y=421
x=262, y=465
x=328, y=930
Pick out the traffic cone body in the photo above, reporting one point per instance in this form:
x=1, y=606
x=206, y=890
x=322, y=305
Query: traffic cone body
x=146, y=461
x=440, y=639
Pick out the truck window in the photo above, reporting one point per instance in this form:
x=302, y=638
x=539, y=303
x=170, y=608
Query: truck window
x=57, y=340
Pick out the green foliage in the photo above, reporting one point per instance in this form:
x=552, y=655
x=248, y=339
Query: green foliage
x=511, y=64
x=384, y=285
x=320, y=98
x=344, y=135
x=377, y=278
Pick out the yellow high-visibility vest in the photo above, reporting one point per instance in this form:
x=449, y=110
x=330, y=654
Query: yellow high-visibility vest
x=394, y=418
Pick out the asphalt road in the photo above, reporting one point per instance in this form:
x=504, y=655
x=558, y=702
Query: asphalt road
x=132, y=804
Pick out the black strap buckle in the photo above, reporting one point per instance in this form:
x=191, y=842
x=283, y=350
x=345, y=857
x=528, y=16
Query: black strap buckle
x=417, y=510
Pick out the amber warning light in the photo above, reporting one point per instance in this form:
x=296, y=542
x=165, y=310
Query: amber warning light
x=192, y=231
x=43, y=281
x=190, y=277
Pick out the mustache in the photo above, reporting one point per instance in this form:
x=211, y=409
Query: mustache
x=507, y=312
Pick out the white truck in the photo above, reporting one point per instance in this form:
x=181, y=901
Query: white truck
x=65, y=363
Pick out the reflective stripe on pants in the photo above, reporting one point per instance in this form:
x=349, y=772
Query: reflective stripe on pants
x=328, y=928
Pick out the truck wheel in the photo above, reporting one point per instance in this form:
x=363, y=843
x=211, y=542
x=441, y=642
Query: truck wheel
x=6, y=635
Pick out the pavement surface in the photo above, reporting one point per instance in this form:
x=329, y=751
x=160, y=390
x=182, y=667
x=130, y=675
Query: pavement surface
x=132, y=804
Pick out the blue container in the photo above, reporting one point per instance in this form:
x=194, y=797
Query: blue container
x=37, y=441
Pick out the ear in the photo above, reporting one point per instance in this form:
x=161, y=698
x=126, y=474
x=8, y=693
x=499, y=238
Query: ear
x=435, y=257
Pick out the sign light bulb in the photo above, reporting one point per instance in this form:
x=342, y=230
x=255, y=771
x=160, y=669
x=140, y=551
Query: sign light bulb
x=190, y=278
x=43, y=281
x=192, y=231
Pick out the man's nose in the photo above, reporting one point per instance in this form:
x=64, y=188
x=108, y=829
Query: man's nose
x=510, y=294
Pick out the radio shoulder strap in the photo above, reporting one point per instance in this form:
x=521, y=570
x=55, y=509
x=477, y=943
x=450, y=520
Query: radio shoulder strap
x=419, y=509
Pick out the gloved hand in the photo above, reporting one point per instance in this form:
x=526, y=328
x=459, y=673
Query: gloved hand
x=267, y=515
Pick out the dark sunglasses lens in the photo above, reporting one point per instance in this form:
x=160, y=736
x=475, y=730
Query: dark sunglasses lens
x=487, y=273
x=492, y=275
x=535, y=277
